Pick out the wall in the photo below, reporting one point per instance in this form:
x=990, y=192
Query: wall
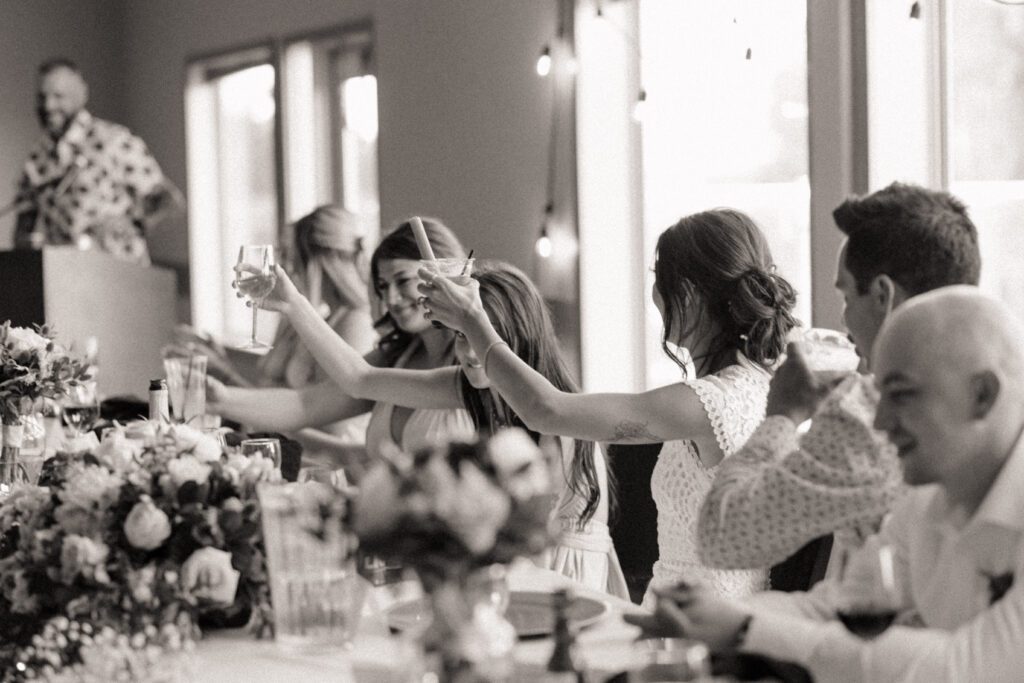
x=32, y=31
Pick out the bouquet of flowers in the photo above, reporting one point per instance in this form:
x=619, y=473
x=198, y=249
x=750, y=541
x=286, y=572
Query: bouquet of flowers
x=453, y=513
x=122, y=553
x=33, y=366
x=448, y=511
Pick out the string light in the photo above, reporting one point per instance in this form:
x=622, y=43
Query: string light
x=544, y=62
x=640, y=106
x=543, y=247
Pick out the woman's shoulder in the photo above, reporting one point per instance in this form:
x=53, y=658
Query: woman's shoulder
x=740, y=376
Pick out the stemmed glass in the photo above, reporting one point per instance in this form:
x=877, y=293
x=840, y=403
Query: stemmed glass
x=255, y=279
x=870, y=596
x=80, y=409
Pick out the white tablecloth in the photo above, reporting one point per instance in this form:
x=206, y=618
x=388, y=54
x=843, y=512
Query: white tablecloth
x=227, y=657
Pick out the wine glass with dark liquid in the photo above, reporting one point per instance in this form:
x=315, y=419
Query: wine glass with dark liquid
x=255, y=279
x=870, y=596
x=80, y=409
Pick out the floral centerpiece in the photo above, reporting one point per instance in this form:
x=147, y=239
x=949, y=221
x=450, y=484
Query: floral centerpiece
x=448, y=513
x=122, y=553
x=32, y=367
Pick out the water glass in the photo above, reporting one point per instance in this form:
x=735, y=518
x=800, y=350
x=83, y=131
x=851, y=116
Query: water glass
x=316, y=592
x=186, y=386
x=268, y=448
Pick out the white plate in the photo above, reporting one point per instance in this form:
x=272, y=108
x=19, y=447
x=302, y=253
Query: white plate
x=530, y=613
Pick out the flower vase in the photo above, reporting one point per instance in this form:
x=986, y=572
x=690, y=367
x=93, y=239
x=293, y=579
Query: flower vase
x=11, y=471
x=469, y=640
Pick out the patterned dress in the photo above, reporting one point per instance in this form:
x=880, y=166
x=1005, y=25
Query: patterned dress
x=735, y=400
x=90, y=183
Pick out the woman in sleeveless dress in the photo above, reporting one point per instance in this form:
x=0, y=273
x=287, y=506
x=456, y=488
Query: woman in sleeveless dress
x=720, y=299
x=408, y=341
x=517, y=311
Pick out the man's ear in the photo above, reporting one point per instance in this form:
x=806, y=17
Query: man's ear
x=985, y=388
x=885, y=295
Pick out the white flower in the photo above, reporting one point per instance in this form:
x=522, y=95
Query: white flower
x=204, y=447
x=117, y=451
x=187, y=468
x=480, y=509
x=89, y=486
x=147, y=526
x=246, y=471
x=520, y=464
x=23, y=340
x=83, y=556
x=141, y=582
x=208, y=575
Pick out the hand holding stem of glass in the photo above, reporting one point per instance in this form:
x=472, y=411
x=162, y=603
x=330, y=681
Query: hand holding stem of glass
x=255, y=279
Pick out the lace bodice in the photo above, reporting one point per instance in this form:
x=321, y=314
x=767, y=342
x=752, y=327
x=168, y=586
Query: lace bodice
x=735, y=400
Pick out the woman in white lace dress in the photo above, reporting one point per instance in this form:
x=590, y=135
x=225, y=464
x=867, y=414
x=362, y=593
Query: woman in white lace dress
x=720, y=299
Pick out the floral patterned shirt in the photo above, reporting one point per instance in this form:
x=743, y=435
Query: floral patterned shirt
x=91, y=182
x=780, y=491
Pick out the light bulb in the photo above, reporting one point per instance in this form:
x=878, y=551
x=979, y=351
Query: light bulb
x=544, y=62
x=640, y=106
x=543, y=245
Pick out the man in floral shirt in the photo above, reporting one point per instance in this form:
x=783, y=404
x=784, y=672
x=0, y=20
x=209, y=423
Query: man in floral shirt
x=783, y=490
x=87, y=182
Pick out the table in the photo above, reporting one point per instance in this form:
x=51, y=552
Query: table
x=227, y=657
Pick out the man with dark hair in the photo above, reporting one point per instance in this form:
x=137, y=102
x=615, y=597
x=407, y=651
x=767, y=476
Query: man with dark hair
x=781, y=490
x=87, y=182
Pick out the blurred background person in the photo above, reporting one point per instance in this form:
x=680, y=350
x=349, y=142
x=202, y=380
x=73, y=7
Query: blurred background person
x=88, y=181
x=329, y=265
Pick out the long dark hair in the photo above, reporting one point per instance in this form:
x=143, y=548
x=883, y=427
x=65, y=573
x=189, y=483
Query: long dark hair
x=521, y=318
x=400, y=243
x=723, y=256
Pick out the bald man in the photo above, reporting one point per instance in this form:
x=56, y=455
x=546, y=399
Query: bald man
x=87, y=182
x=950, y=368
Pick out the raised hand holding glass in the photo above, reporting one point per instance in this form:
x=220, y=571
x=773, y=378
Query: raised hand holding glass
x=255, y=278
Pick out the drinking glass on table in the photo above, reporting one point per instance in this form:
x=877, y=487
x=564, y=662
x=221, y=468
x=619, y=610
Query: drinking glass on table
x=458, y=270
x=869, y=594
x=80, y=408
x=186, y=387
x=255, y=279
x=268, y=448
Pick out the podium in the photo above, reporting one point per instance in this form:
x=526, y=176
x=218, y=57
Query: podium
x=130, y=309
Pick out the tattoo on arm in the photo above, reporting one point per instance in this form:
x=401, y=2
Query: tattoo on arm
x=637, y=432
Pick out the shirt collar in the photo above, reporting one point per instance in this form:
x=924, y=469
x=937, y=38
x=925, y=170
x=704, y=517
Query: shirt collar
x=1003, y=505
x=76, y=132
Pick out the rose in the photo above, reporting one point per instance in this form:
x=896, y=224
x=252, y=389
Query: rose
x=22, y=340
x=246, y=471
x=208, y=575
x=83, y=556
x=146, y=526
x=480, y=509
x=204, y=447
x=88, y=486
x=187, y=468
x=117, y=451
x=520, y=464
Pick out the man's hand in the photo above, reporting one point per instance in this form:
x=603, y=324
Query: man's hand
x=796, y=391
x=693, y=613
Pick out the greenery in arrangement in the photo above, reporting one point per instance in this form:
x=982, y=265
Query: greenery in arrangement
x=124, y=553
x=32, y=367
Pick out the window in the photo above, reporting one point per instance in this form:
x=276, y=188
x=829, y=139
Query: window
x=231, y=110
x=724, y=127
x=272, y=134
x=986, y=150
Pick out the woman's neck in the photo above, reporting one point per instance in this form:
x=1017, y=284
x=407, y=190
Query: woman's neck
x=436, y=342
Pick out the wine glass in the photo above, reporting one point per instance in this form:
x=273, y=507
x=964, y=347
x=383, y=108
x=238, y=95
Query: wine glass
x=268, y=448
x=255, y=279
x=869, y=595
x=80, y=409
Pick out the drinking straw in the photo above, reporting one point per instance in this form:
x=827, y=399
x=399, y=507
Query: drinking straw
x=469, y=258
x=426, y=253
